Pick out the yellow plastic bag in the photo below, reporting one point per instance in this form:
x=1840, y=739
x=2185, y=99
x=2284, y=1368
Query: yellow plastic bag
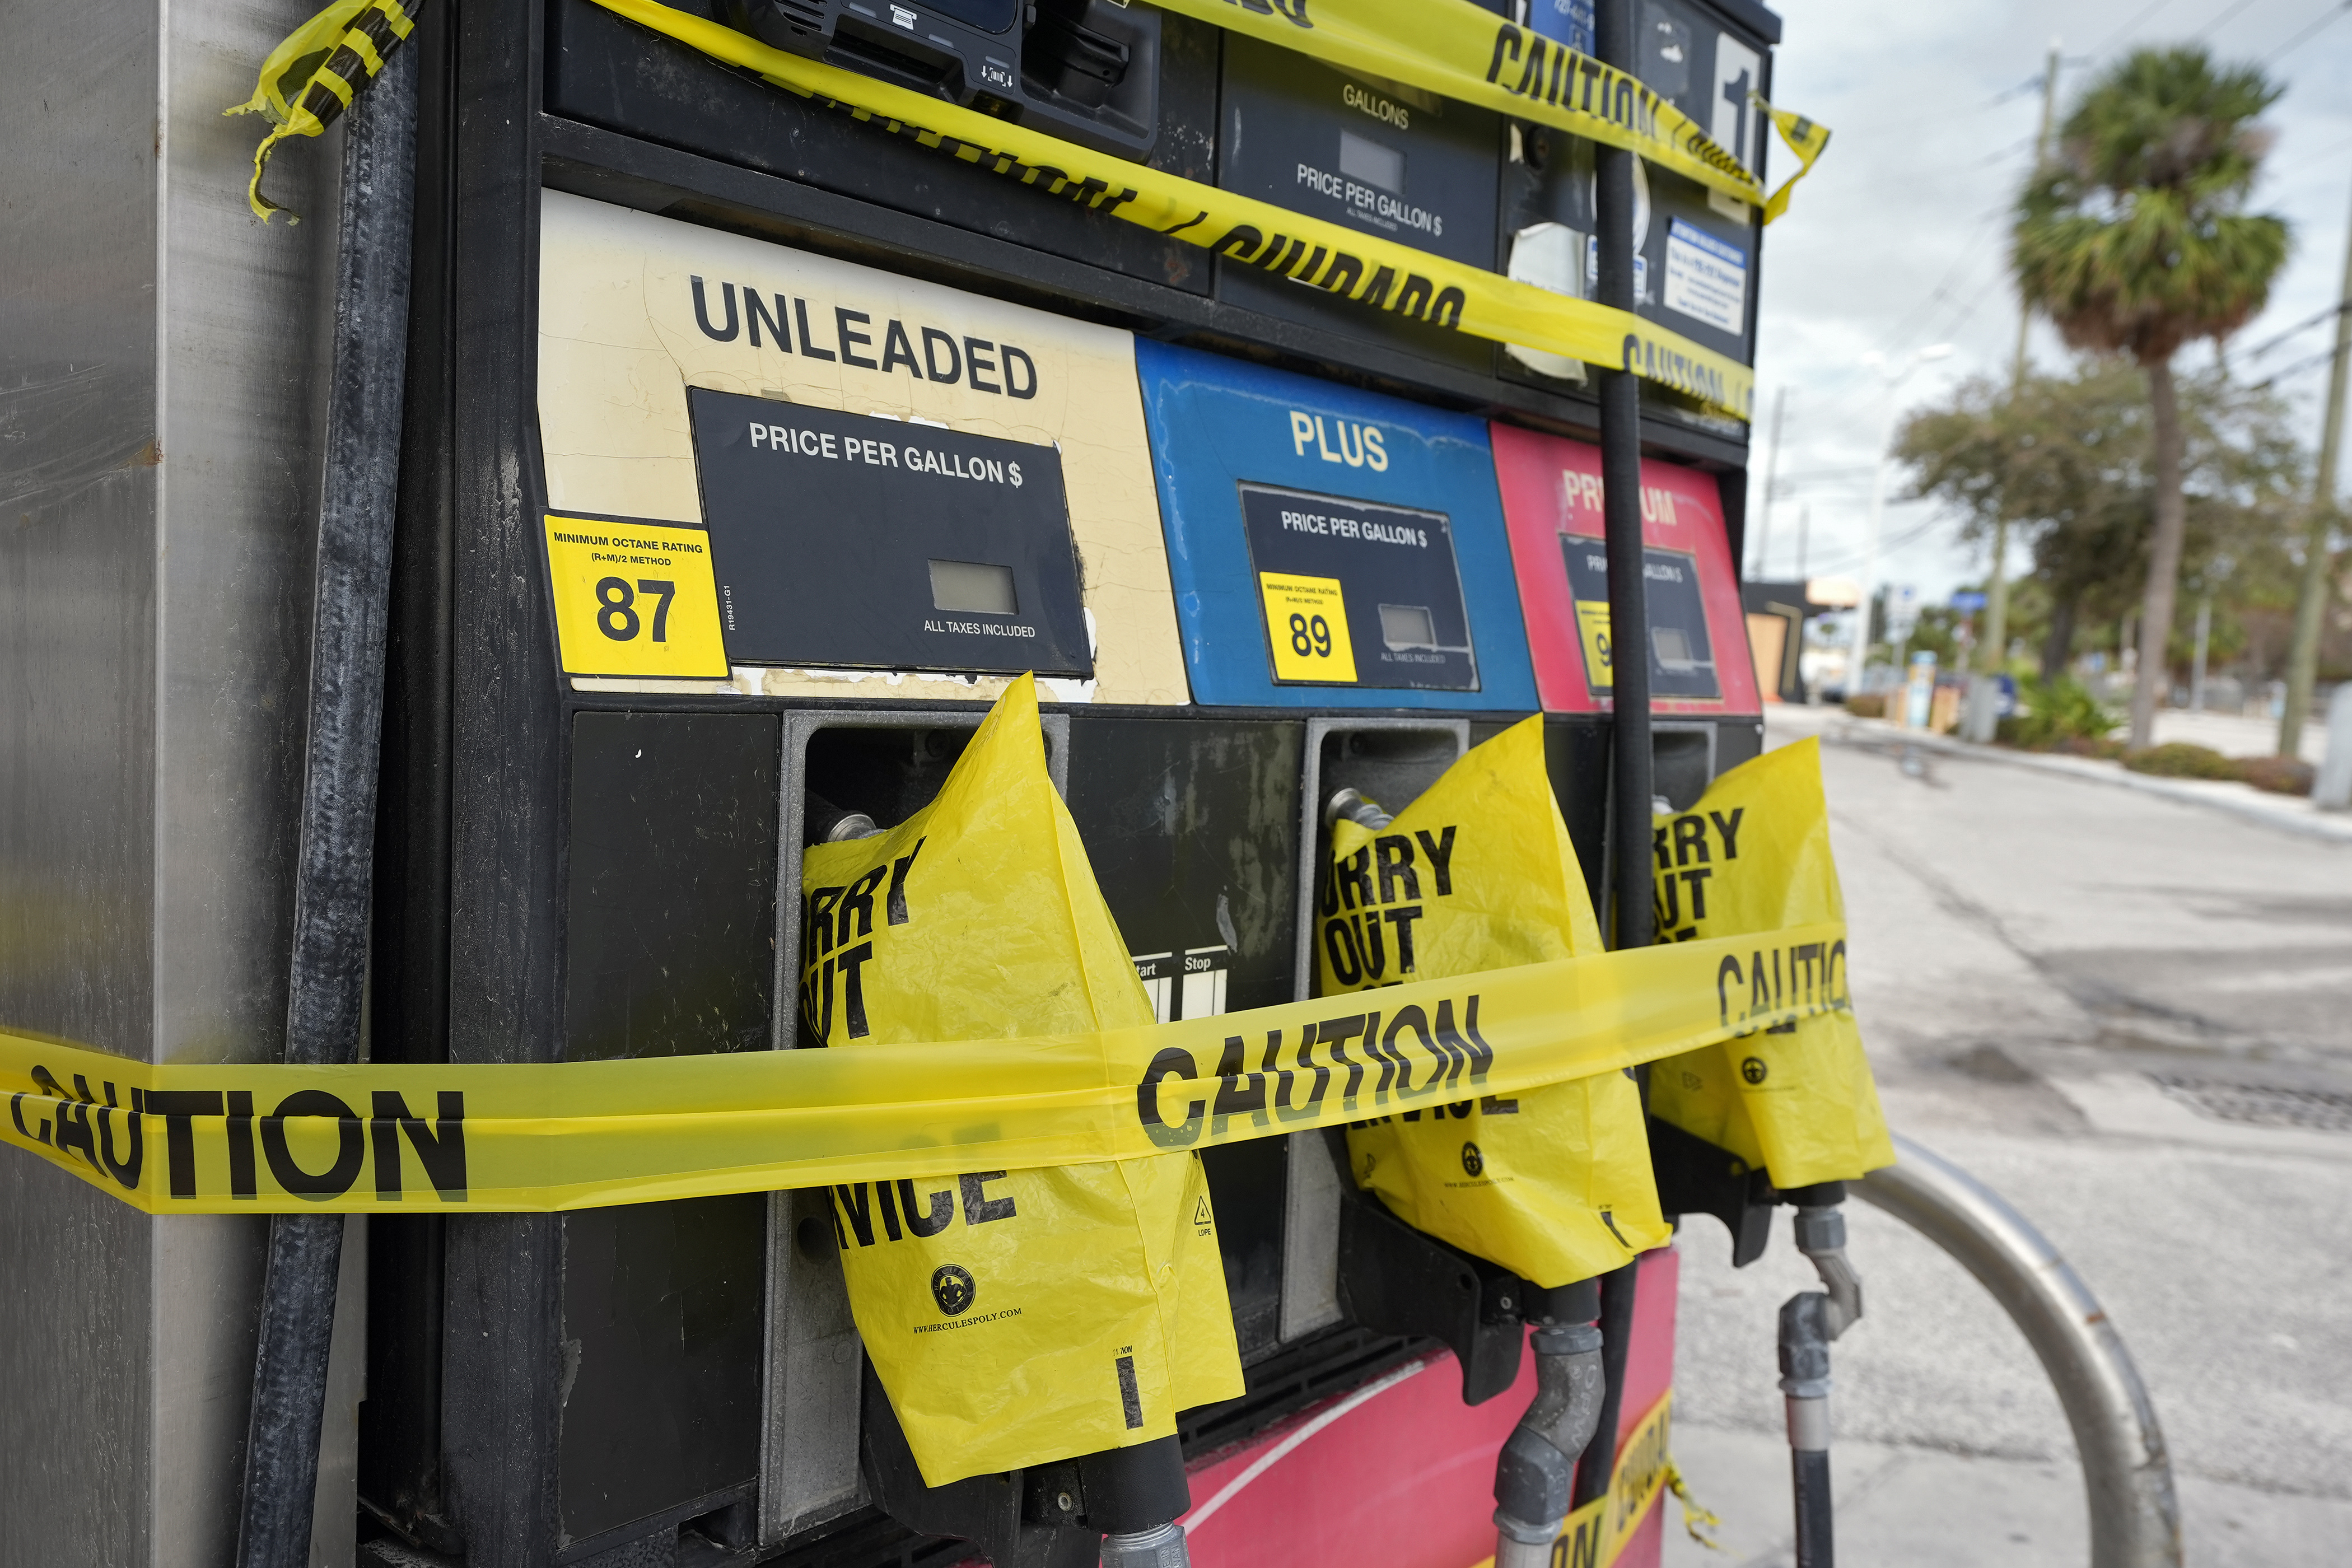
x=1754, y=855
x=1478, y=874
x=1014, y=1319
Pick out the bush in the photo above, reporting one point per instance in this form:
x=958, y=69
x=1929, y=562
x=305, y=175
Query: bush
x=2059, y=715
x=2182, y=759
x=2280, y=775
x=1867, y=705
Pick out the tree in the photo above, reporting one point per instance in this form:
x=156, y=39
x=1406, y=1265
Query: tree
x=2069, y=457
x=2134, y=240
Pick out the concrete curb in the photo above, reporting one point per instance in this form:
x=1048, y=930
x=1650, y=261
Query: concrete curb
x=2238, y=800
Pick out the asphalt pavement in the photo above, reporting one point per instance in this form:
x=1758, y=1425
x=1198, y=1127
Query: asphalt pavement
x=2132, y=1016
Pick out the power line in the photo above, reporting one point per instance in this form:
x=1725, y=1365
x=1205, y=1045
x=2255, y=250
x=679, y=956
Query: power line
x=2307, y=33
x=2207, y=30
x=2130, y=26
x=2301, y=327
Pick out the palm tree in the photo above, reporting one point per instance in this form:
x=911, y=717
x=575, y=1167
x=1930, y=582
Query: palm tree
x=2134, y=240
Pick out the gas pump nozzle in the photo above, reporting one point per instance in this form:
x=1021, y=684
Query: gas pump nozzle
x=1349, y=804
x=1536, y=1468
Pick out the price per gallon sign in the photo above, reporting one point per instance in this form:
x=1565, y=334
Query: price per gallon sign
x=846, y=541
x=1358, y=594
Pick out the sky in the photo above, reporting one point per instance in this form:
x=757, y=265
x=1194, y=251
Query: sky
x=1897, y=240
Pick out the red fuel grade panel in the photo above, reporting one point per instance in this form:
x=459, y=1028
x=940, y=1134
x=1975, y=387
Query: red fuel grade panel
x=1699, y=661
x=1398, y=1473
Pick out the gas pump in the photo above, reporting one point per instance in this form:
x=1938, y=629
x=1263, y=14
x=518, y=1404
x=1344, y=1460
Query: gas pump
x=751, y=450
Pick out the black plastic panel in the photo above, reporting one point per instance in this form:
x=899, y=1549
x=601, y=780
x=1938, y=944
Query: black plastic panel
x=662, y=1317
x=1192, y=827
x=671, y=911
x=608, y=72
x=671, y=921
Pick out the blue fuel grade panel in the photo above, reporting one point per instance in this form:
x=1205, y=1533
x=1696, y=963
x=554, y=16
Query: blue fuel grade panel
x=1331, y=548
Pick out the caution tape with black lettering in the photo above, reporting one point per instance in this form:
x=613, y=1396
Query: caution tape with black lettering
x=175, y=1139
x=1463, y=51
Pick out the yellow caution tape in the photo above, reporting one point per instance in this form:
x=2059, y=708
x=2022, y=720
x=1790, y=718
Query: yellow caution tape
x=1310, y=251
x=1807, y=140
x=1463, y=51
x=1698, y=1519
x=313, y=76
x=271, y=1138
x=1595, y=1535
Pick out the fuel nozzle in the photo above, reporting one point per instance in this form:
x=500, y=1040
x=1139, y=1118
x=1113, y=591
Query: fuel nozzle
x=827, y=823
x=1134, y=1496
x=1536, y=1471
x=1350, y=804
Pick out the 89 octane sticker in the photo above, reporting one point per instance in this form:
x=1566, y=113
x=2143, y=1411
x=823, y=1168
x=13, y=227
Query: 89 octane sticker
x=634, y=598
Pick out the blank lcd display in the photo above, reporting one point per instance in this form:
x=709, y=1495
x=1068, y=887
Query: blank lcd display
x=971, y=586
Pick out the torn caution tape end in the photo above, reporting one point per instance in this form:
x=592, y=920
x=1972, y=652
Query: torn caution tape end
x=313, y=75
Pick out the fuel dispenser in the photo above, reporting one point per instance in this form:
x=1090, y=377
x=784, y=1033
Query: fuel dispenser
x=752, y=450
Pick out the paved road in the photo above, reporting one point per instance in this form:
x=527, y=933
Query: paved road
x=2133, y=1017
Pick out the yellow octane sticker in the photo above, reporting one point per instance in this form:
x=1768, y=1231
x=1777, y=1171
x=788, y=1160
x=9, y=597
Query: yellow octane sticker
x=282, y=1139
x=1306, y=627
x=1592, y=621
x=634, y=598
x=1341, y=261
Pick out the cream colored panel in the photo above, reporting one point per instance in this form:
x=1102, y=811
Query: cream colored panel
x=620, y=342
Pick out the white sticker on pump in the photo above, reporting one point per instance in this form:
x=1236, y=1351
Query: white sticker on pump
x=1707, y=277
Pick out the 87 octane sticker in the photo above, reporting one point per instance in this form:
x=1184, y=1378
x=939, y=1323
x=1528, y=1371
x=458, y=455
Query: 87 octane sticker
x=634, y=598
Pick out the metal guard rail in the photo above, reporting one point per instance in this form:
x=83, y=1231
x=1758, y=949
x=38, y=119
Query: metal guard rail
x=2126, y=1473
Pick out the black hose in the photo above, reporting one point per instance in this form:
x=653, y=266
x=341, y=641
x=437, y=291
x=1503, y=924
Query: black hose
x=333, y=875
x=1598, y=1464
x=1816, y=1546
x=1620, y=484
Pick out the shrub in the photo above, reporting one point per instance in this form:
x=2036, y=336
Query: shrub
x=2280, y=775
x=1867, y=705
x=2182, y=759
x=2056, y=715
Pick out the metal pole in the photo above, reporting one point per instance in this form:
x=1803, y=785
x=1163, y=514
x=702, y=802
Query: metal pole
x=1804, y=527
x=2204, y=642
x=2302, y=660
x=1764, y=509
x=2126, y=1472
x=1870, y=550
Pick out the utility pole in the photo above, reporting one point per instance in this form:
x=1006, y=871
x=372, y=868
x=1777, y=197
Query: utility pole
x=2303, y=659
x=1771, y=468
x=1992, y=649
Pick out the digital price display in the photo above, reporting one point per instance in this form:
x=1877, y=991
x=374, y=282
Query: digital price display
x=846, y=541
x=1357, y=593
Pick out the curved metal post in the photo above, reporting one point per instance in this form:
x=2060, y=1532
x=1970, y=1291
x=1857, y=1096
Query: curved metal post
x=2135, y=1519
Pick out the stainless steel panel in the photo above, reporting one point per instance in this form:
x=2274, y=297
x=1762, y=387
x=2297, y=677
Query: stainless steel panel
x=159, y=399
